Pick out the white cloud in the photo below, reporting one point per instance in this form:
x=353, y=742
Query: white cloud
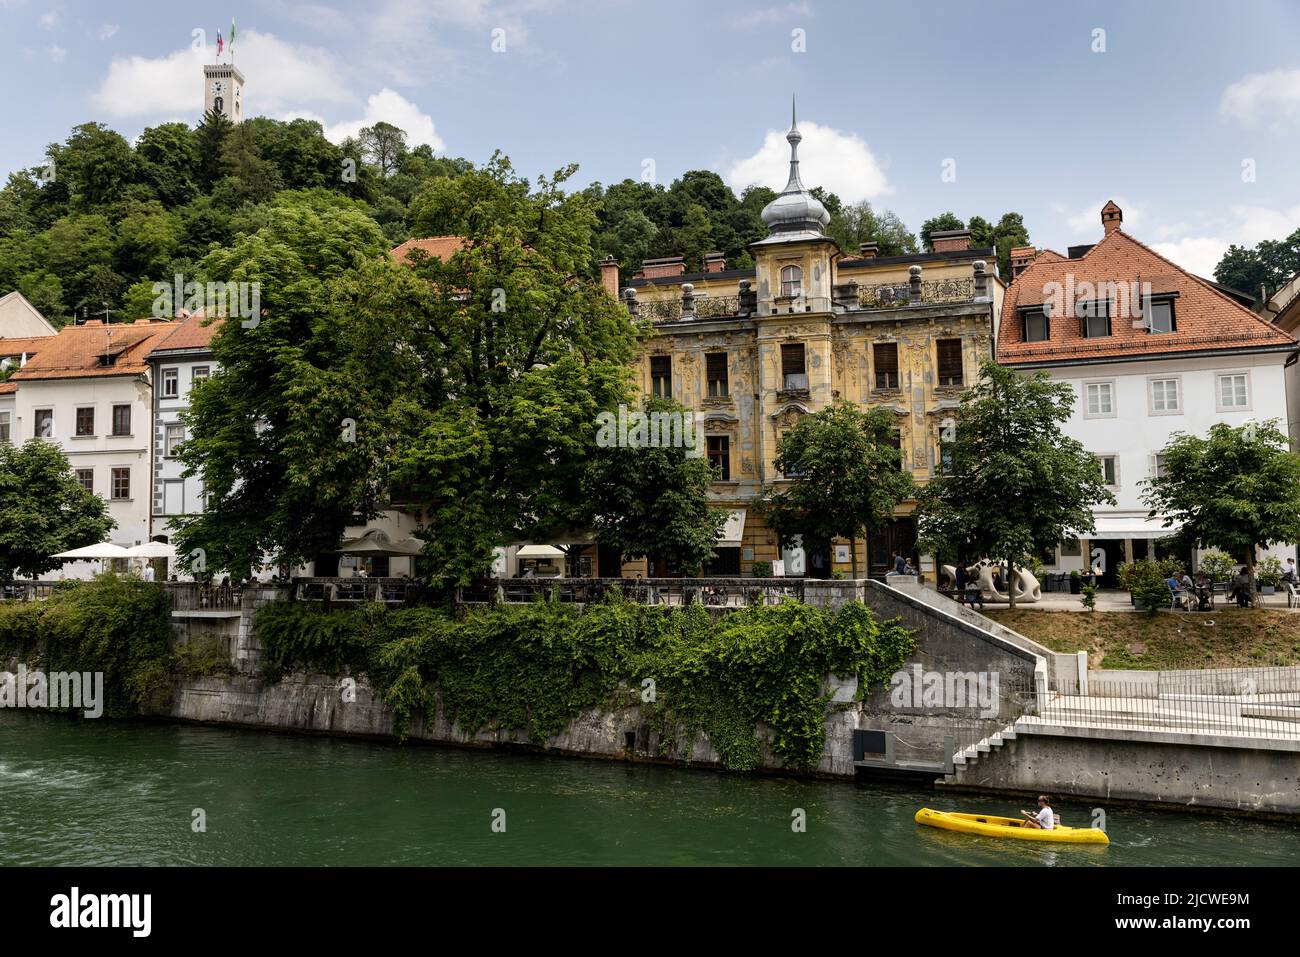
x=280, y=76
x=840, y=162
x=108, y=31
x=1271, y=96
x=390, y=107
x=1245, y=226
x=1085, y=222
x=50, y=20
x=766, y=15
x=58, y=54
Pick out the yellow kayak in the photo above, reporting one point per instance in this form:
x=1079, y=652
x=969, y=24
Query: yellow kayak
x=990, y=826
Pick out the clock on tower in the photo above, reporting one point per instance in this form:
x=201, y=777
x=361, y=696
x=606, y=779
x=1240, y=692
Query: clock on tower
x=223, y=91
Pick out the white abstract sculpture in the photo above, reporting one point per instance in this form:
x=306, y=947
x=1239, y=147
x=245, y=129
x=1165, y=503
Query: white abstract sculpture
x=1025, y=583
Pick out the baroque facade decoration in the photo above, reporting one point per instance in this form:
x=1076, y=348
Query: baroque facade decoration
x=757, y=349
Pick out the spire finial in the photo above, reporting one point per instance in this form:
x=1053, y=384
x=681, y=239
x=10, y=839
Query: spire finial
x=793, y=124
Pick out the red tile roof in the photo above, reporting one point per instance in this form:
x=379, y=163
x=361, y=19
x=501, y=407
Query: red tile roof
x=77, y=351
x=193, y=332
x=437, y=247
x=8, y=388
x=1204, y=318
x=30, y=345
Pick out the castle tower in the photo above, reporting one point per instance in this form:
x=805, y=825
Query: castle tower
x=223, y=91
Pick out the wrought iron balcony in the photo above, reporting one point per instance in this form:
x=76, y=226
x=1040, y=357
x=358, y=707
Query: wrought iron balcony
x=893, y=295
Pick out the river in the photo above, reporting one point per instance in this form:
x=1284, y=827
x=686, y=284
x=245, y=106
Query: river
x=125, y=793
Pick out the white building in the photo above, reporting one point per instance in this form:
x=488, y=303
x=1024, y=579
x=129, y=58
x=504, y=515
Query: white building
x=89, y=391
x=1192, y=357
x=178, y=361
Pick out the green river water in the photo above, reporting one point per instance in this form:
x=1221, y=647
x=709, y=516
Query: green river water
x=101, y=792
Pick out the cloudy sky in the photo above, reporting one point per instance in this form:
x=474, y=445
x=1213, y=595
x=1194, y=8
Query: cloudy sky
x=1186, y=113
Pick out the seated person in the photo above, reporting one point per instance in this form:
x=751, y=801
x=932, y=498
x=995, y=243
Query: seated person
x=1044, y=818
x=1240, y=589
x=1289, y=573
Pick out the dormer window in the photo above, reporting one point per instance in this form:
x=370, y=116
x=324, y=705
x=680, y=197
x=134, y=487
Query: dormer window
x=1160, y=316
x=1094, y=318
x=1037, y=326
x=791, y=282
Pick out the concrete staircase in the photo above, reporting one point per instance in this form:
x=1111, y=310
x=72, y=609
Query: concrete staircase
x=969, y=756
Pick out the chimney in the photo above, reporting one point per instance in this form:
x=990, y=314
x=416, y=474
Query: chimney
x=869, y=250
x=1111, y=217
x=715, y=262
x=665, y=267
x=1021, y=257
x=609, y=275
x=950, y=240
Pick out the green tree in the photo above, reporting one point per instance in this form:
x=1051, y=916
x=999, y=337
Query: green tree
x=1013, y=483
x=652, y=500
x=522, y=349
x=859, y=223
x=938, y=224
x=384, y=147
x=1268, y=266
x=1236, y=488
x=845, y=477
x=267, y=430
x=43, y=510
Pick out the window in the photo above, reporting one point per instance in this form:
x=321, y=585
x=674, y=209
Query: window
x=719, y=452
x=121, y=420
x=886, y=359
x=1160, y=316
x=1099, y=399
x=1094, y=316
x=949, y=352
x=44, y=419
x=1233, y=392
x=200, y=374
x=87, y=479
x=1164, y=396
x=1109, y=469
x=895, y=440
x=175, y=436
x=715, y=366
x=171, y=383
x=1071, y=547
x=1037, y=326
x=174, y=497
x=793, y=374
x=4, y=428
x=86, y=421
x=1158, y=466
x=120, y=487
x=791, y=282
x=661, y=376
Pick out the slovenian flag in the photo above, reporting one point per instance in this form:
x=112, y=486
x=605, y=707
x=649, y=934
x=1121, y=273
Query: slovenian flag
x=220, y=43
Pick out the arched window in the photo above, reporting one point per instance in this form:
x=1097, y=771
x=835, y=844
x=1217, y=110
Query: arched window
x=791, y=281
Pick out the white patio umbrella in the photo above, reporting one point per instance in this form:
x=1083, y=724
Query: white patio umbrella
x=151, y=550
x=102, y=550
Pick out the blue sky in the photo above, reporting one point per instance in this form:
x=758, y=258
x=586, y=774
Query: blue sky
x=1033, y=115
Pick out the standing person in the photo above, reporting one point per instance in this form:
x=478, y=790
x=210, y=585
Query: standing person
x=900, y=563
x=148, y=571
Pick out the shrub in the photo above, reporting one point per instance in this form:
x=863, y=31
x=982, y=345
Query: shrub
x=1268, y=571
x=761, y=569
x=1146, y=581
x=1218, y=566
x=1089, y=597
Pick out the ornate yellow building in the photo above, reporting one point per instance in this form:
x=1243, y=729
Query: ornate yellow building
x=754, y=350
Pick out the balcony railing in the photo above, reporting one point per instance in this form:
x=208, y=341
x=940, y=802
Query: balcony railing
x=196, y=596
x=352, y=591
x=892, y=295
x=706, y=307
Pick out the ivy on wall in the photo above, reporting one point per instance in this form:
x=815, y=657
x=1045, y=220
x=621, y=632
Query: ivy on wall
x=537, y=667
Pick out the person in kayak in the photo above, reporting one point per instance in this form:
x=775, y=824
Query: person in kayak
x=1044, y=818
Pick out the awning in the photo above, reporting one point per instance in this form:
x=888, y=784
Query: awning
x=539, y=551
x=152, y=550
x=734, y=531
x=376, y=542
x=102, y=550
x=1131, y=527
